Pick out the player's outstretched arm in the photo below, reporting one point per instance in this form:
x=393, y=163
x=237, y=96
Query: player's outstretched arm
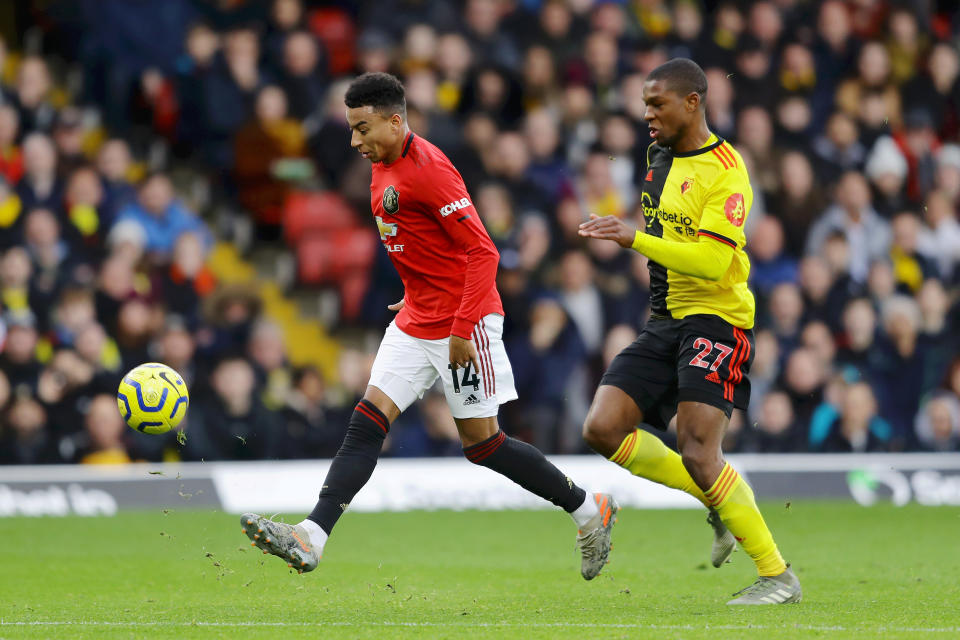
x=708, y=260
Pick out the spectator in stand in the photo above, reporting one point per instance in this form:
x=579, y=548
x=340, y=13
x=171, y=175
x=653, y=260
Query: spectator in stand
x=857, y=345
x=581, y=299
x=74, y=311
x=161, y=215
x=755, y=134
x=496, y=211
x=804, y=380
x=68, y=136
x=938, y=89
x=548, y=170
x=18, y=361
x=86, y=210
x=268, y=355
x=777, y=430
x=100, y=351
x=116, y=282
x=193, y=68
x=937, y=426
x=482, y=21
x=839, y=149
x=858, y=428
x=114, y=166
x=886, y=169
x=286, y=17
x=11, y=159
x=873, y=76
x=175, y=346
x=551, y=343
x=302, y=75
x=333, y=159
x=11, y=221
x=797, y=201
x=853, y=216
x=15, y=275
x=817, y=337
x=442, y=128
x=785, y=315
x=771, y=266
x=719, y=103
x=33, y=95
x=919, y=144
x=824, y=296
x=948, y=173
x=512, y=164
x=65, y=388
x=910, y=267
x=231, y=423
x=260, y=148
x=26, y=439
x=54, y=263
x=902, y=367
x=937, y=339
x=311, y=429
x=940, y=240
x=104, y=430
x=40, y=185
x=228, y=94
x=618, y=140
x=187, y=280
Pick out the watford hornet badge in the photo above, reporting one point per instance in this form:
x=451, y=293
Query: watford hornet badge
x=391, y=200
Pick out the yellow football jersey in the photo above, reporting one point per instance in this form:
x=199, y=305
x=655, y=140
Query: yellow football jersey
x=699, y=196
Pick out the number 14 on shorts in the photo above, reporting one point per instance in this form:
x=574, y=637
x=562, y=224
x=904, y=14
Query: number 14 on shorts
x=469, y=377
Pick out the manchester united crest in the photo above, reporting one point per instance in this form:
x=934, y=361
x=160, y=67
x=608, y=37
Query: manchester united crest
x=391, y=200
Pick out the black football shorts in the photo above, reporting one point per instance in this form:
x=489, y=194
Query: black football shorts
x=700, y=358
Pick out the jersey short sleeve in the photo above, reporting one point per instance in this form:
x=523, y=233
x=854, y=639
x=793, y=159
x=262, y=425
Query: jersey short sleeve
x=726, y=206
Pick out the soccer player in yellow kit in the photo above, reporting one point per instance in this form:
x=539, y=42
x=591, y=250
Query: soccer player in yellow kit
x=692, y=358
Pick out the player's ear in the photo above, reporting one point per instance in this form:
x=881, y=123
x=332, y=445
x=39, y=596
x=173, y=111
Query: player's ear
x=692, y=101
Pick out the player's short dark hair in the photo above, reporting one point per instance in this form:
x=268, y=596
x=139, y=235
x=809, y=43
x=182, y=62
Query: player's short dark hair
x=381, y=91
x=683, y=76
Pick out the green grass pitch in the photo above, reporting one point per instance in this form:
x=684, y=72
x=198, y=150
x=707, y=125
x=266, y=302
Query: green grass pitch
x=867, y=573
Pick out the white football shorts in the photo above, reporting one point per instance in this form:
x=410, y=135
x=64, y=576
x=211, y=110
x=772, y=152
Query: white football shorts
x=405, y=367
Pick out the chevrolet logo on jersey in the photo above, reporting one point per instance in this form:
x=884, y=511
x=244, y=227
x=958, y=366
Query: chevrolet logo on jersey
x=387, y=229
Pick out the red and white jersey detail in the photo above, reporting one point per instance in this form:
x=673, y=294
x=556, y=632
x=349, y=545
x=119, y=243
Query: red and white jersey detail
x=432, y=232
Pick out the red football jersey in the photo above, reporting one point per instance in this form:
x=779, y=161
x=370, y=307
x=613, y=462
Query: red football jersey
x=431, y=230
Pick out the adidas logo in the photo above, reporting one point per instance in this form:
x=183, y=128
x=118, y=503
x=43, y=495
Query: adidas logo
x=712, y=377
x=471, y=399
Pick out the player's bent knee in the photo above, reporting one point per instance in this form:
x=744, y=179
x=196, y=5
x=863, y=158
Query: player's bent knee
x=698, y=459
x=602, y=433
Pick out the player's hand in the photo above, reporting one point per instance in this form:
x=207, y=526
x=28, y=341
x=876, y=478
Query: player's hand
x=608, y=228
x=396, y=306
x=463, y=352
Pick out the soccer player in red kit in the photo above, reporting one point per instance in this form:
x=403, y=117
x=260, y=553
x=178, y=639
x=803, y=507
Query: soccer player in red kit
x=448, y=326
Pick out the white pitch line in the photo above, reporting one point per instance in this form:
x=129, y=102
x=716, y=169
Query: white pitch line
x=466, y=625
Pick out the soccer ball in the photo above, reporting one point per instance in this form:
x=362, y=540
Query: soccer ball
x=153, y=398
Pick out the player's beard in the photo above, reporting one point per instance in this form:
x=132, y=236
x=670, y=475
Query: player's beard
x=670, y=142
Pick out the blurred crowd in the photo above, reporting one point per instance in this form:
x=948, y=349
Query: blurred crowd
x=847, y=114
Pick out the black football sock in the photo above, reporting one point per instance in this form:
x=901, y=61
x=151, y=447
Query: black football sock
x=353, y=464
x=525, y=465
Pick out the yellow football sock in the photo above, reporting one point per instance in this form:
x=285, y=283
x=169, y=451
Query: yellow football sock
x=644, y=454
x=733, y=499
